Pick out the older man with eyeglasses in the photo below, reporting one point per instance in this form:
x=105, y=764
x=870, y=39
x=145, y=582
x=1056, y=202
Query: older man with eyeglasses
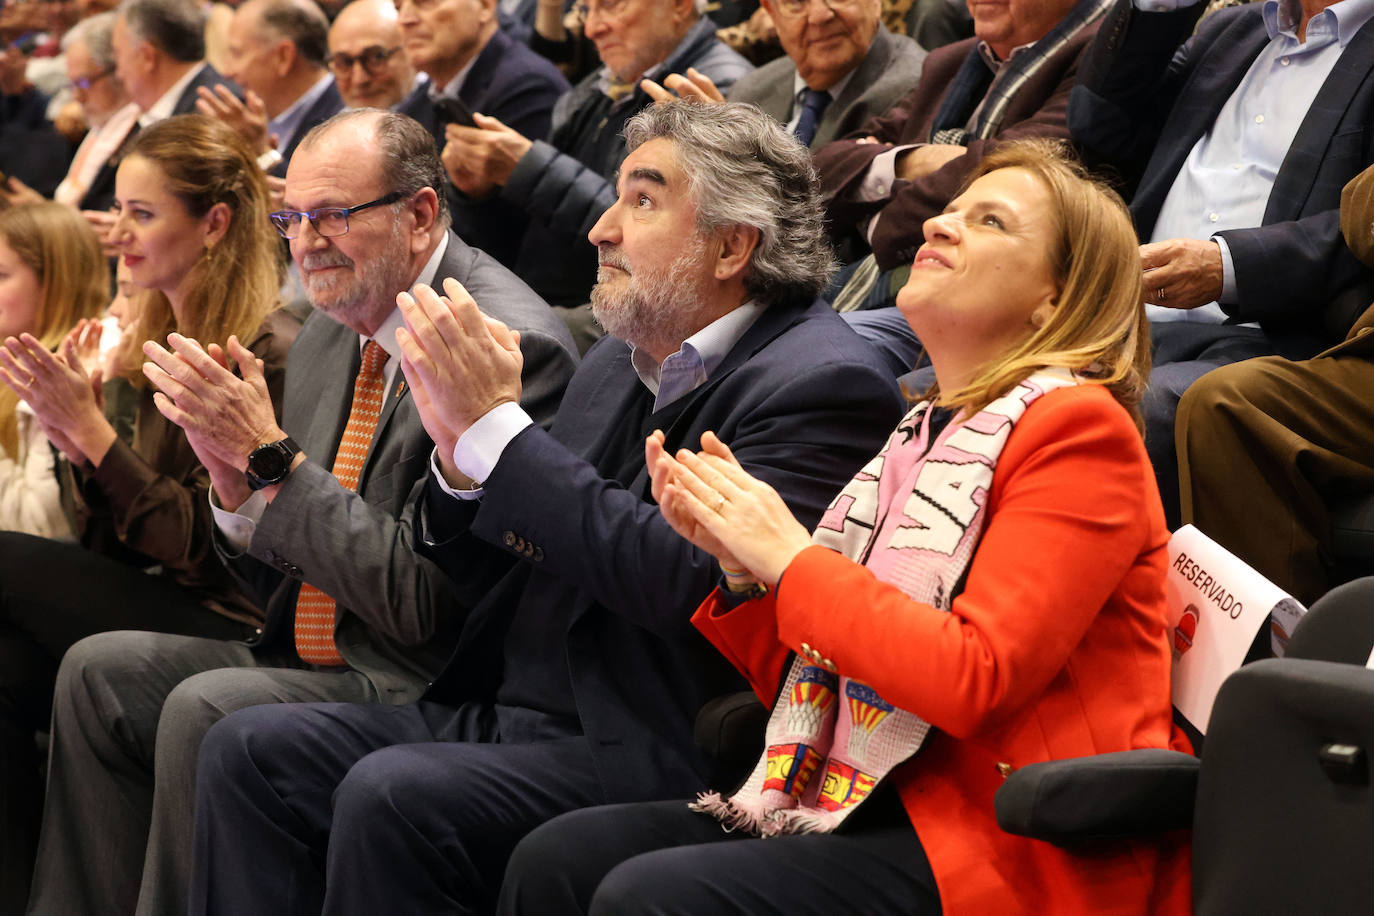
x=370, y=67
x=568, y=182
x=841, y=68
x=110, y=115
x=314, y=517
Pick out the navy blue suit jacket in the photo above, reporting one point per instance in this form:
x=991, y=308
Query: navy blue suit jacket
x=517, y=87
x=326, y=106
x=801, y=400
x=1142, y=102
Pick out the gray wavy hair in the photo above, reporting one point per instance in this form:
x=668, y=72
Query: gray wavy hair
x=743, y=169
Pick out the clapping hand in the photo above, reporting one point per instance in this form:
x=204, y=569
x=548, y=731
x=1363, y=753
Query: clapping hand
x=64, y=398
x=224, y=416
x=460, y=364
x=714, y=503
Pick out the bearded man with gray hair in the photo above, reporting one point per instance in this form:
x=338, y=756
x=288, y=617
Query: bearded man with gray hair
x=577, y=676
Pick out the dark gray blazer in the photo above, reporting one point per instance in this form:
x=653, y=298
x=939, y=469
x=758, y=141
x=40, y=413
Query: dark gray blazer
x=889, y=71
x=396, y=621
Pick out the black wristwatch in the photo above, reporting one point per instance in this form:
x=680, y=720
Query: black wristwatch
x=270, y=463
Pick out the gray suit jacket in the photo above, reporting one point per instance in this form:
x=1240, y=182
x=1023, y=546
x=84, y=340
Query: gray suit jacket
x=888, y=72
x=396, y=620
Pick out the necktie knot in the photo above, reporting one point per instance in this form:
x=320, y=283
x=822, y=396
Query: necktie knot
x=374, y=360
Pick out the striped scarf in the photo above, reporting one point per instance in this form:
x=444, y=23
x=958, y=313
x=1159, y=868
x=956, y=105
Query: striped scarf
x=913, y=516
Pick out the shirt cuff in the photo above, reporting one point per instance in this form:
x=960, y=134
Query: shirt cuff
x=1228, y=273
x=238, y=527
x=438, y=474
x=478, y=449
x=881, y=175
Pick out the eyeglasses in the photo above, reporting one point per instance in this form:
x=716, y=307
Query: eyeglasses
x=373, y=59
x=794, y=8
x=604, y=7
x=329, y=222
x=86, y=82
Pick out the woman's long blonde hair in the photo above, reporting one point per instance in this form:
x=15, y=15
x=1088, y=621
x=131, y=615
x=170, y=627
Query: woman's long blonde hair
x=1098, y=329
x=203, y=162
x=73, y=278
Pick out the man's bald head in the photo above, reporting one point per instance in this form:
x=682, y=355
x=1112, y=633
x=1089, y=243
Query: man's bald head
x=370, y=68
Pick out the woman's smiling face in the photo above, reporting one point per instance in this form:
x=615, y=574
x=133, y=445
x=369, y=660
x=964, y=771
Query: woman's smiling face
x=982, y=281
x=159, y=240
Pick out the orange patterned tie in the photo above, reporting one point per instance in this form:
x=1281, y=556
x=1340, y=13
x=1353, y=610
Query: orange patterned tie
x=315, y=609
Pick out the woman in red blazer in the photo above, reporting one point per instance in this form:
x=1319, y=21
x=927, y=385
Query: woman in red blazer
x=987, y=593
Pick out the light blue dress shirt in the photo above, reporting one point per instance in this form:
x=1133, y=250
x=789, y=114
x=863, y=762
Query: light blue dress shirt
x=1226, y=179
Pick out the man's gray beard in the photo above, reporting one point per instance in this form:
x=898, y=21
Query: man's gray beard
x=375, y=281
x=657, y=309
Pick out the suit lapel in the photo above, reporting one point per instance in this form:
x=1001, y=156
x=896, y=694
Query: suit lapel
x=676, y=419
x=872, y=67
x=1213, y=82
x=1305, y=157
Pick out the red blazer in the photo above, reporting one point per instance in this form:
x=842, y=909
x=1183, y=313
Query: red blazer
x=1056, y=648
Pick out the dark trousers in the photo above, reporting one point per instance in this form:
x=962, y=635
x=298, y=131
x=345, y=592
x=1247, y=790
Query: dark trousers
x=1182, y=353
x=51, y=595
x=661, y=857
x=375, y=809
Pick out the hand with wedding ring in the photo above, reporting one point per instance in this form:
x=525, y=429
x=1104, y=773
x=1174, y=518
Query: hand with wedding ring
x=713, y=502
x=1182, y=273
x=662, y=467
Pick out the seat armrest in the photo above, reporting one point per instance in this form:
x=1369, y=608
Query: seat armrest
x=1125, y=793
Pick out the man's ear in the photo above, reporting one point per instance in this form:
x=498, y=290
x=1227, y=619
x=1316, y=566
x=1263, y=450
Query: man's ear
x=684, y=10
x=737, y=245
x=424, y=209
x=284, y=54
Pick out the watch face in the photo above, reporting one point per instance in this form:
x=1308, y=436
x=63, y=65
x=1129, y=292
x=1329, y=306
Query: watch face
x=268, y=463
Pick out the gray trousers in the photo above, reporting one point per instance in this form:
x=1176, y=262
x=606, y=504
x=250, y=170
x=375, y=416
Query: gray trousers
x=129, y=713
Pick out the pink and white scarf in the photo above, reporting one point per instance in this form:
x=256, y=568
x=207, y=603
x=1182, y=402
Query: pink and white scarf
x=913, y=515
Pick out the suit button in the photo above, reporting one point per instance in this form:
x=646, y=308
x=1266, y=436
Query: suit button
x=519, y=545
x=529, y=550
x=508, y=538
x=539, y=554
x=1005, y=769
x=806, y=649
x=828, y=665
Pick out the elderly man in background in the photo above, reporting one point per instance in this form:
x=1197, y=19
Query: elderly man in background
x=1237, y=136
x=159, y=51
x=314, y=518
x=841, y=68
x=371, y=69
x=159, y=56
x=277, y=51
x=474, y=66
x=1011, y=80
x=109, y=113
x=576, y=678
x=567, y=183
